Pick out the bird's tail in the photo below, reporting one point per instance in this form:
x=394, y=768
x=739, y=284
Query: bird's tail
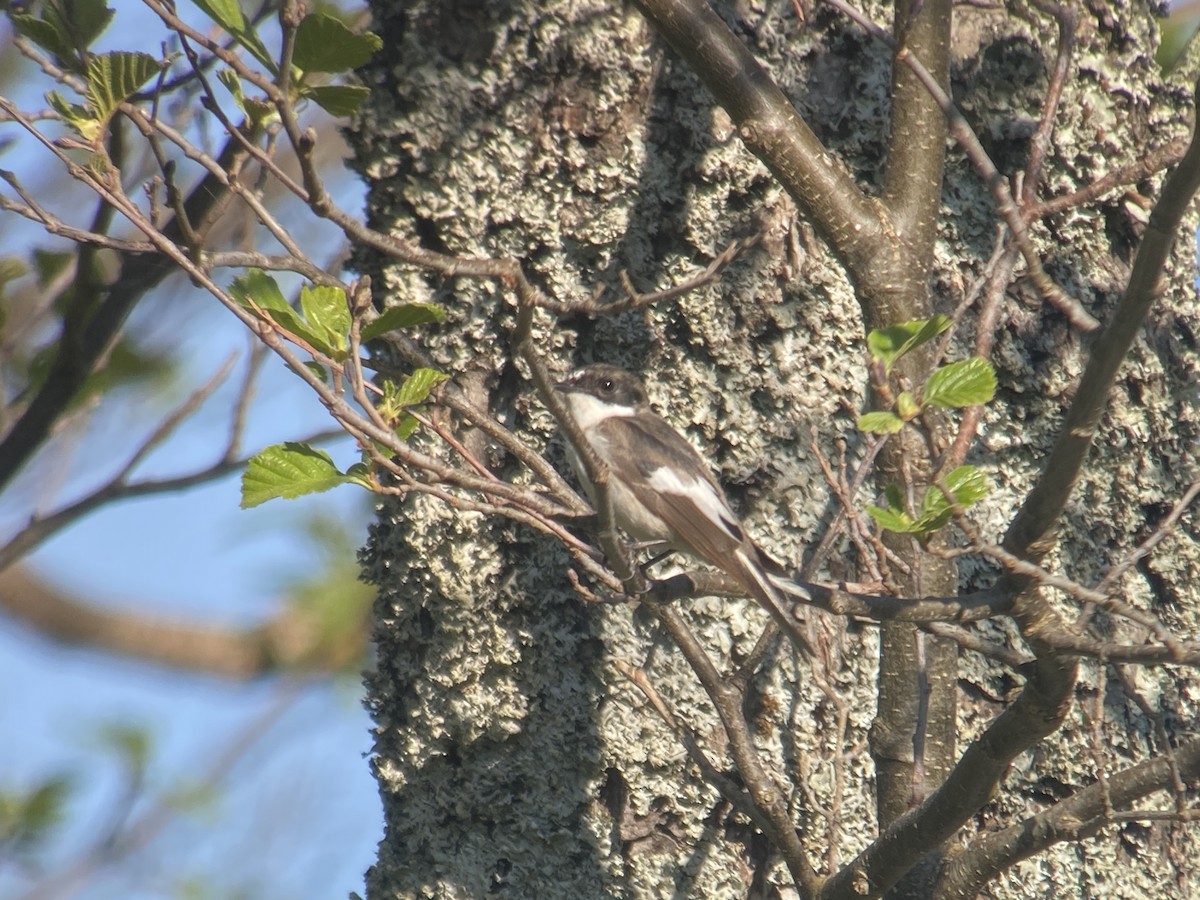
x=774, y=591
x=788, y=586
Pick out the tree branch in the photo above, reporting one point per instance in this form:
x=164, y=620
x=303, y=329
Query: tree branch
x=769, y=126
x=76, y=358
x=1079, y=816
x=762, y=787
x=1032, y=531
x=290, y=641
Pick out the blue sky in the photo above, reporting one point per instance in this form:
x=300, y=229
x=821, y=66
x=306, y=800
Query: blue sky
x=198, y=556
x=298, y=814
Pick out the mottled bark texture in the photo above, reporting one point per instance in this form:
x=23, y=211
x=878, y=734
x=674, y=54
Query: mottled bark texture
x=513, y=758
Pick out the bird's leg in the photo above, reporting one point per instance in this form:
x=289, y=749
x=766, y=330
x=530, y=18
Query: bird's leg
x=665, y=550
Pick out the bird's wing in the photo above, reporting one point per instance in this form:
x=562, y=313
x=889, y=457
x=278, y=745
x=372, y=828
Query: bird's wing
x=671, y=480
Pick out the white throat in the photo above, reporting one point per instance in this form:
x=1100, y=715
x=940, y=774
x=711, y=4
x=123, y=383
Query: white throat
x=589, y=411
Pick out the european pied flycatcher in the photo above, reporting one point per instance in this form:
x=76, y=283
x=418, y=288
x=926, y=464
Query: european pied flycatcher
x=661, y=490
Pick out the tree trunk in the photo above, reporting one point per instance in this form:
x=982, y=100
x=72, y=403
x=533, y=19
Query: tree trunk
x=514, y=757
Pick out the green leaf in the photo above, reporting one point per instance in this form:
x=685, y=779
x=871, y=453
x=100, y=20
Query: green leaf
x=338, y=100
x=28, y=818
x=328, y=595
x=113, y=77
x=317, y=369
x=892, y=519
x=233, y=84
x=132, y=743
x=12, y=268
x=969, y=485
x=259, y=287
x=128, y=364
x=66, y=28
x=416, y=387
x=47, y=36
x=293, y=470
x=50, y=264
x=396, y=399
x=228, y=14
x=323, y=321
x=406, y=315
x=907, y=407
x=259, y=292
x=78, y=117
x=325, y=44
x=325, y=310
x=45, y=805
x=965, y=383
x=407, y=425
x=888, y=344
x=966, y=484
x=84, y=20
x=259, y=112
x=880, y=422
x=389, y=405
x=932, y=521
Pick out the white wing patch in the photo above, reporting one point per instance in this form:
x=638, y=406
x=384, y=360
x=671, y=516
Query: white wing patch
x=701, y=493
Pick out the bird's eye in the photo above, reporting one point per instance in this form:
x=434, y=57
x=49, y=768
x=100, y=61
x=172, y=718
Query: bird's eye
x=607, y=385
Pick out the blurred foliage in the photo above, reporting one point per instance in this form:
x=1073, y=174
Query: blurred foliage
x=30, y=816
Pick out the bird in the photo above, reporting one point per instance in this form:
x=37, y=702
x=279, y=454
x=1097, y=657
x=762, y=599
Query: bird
x=661, y=490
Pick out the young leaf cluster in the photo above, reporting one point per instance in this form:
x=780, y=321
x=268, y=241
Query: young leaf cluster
x=323, y=46
x=322, y=321
x=968, y=382
x=956, y=385
x=399, y=399
x=963, y=487
x=65, y=31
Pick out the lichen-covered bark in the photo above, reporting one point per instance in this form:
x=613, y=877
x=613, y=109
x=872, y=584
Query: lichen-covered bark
x=513, y=758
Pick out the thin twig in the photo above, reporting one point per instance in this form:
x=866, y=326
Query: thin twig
x=1156, y=537
x=634, y=299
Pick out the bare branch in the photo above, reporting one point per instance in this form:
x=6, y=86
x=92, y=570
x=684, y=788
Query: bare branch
x=80, y=350
x=977, y=644
x=1156, y=537
x=765, y=792
x=1154, y=161
x=289, y=641
x=1078, y=817
x=735, y=795
x=635, y=299
x=769, y=125
x=1031, y=533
